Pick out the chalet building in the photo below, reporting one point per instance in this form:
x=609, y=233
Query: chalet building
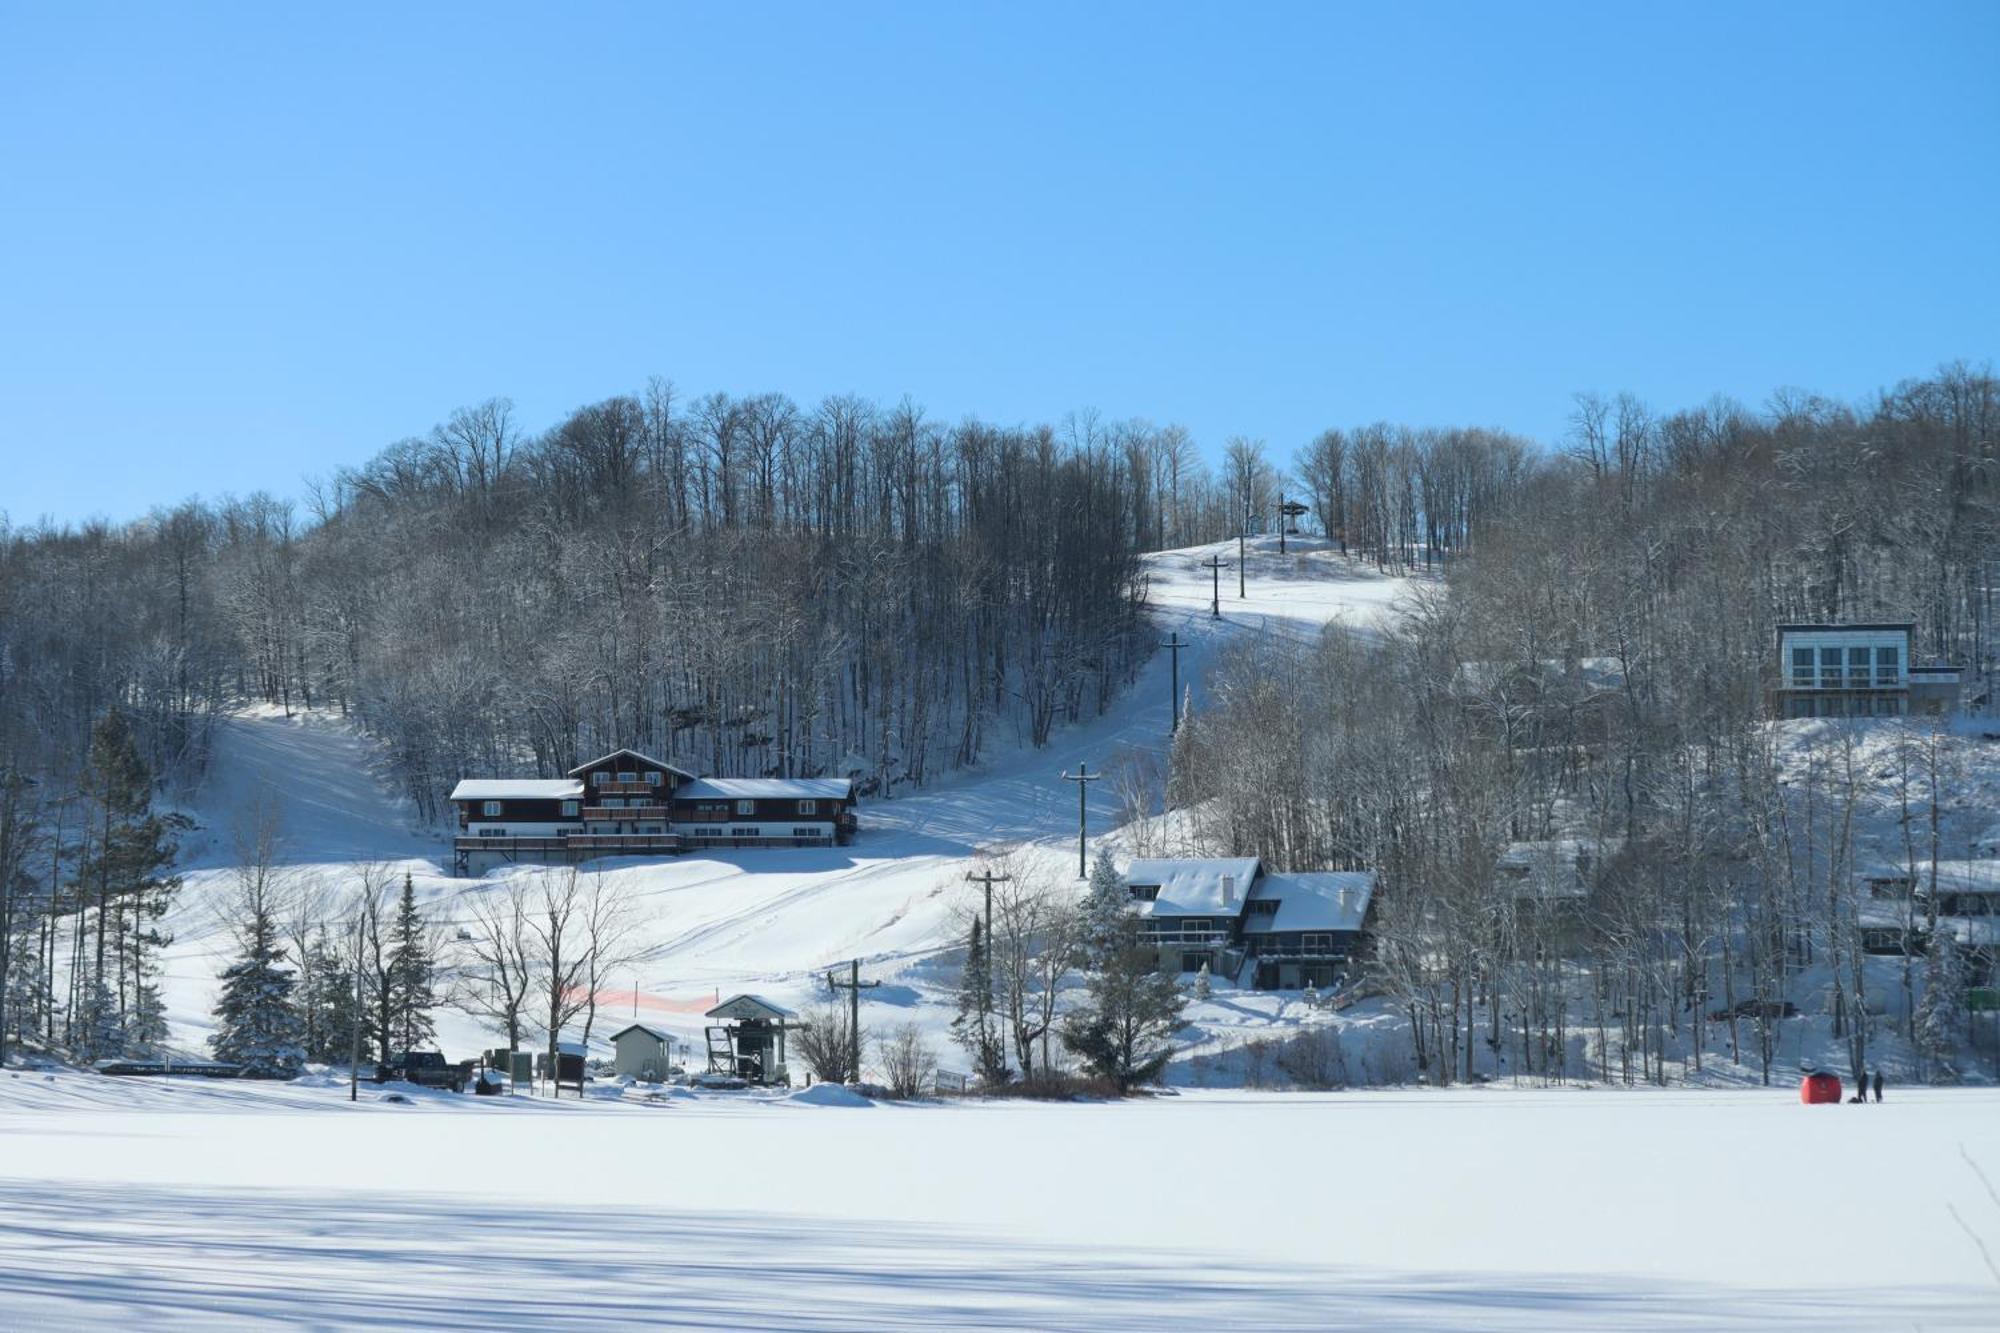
x=1280, y=932
x=1552, y=885
x=1895, y=911
x=1858, y=671
x=630, y=804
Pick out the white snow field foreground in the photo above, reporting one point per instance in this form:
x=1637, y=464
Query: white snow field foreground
x=183, y=1204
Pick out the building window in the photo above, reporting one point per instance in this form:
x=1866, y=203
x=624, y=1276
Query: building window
x=1888, y=666
x=808, y=807
x=490, y=809
x=569, y=809
x=708, y=831
x=649, y=828
x=1144, y=893
x=628, y=777
x=598, y=778
x=743, y=833
x=1317, y=943
x=1857, y=668
x=653, y=779
x=805, y=833
x=493, y=833
x=1802, y=668
x=1264, y=906
x=746, y=807
x=1829, y=668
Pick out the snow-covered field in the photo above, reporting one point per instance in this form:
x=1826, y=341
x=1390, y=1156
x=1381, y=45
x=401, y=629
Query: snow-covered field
x=164, y=1205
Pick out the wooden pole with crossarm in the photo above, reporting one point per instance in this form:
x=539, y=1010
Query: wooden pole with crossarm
x=1083, y=777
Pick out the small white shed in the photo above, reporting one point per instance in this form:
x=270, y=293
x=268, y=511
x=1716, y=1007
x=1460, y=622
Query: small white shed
x=640, y=1052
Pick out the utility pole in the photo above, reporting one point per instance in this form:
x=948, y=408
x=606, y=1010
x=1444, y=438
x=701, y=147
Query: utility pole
x=1173, y=645
x=1215, y=564
x=854, y=985
x=1083, y=777
x=1242, y=559
x=989, y=879
x=354, y=1061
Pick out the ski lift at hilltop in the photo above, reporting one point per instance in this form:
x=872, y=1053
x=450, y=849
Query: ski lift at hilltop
x=1289, y=513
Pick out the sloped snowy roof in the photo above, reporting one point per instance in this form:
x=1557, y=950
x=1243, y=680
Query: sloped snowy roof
x=1312, y=900
x=733, y=789
x=749, y=1006
x=640, y=1027
x=1594, y=674
x=1551, y=868
x=645, y=758
x=1193, y=886
x=517, y=789
x=1960, y=876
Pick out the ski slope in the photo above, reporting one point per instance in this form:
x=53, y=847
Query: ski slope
x=766, y=921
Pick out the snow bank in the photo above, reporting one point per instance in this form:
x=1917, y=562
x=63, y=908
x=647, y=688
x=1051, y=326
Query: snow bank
x=828, y=1094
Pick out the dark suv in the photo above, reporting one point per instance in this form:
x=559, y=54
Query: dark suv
x=426, y=1069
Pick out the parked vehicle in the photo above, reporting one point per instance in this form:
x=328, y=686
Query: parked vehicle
x=1767, y=1009
x=426, y=1069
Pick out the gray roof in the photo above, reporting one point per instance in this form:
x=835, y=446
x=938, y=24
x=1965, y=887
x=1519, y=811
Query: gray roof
x=1193, y=886
x=781, y=789
x=1312, y=900
x=656, y=763
x=749, y=1006
x=640, y=1027
x=517, y=789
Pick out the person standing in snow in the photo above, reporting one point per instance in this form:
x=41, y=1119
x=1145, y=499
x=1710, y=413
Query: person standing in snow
x=1878, y=1085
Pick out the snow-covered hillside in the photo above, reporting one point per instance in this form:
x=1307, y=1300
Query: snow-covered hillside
x=768, y=921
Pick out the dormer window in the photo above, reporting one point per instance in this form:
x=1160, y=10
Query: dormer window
x=1145, y=893
x=1264, y=906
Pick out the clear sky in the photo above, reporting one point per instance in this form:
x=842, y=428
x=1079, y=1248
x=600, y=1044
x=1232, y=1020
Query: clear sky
x=240, y=245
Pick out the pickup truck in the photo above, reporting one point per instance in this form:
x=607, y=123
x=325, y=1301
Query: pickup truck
x=426, y=1069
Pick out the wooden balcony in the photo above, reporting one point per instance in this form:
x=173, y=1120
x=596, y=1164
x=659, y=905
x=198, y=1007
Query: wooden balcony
x=576, y=845
x=624, y=812
x=613, y=788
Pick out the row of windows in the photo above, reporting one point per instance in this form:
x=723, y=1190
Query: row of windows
x=599, y=778
x=1848, y=667
x=1840, y=705
x=493, y=809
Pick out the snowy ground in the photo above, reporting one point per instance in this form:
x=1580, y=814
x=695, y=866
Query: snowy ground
x=192, y=1205
x=771, y=922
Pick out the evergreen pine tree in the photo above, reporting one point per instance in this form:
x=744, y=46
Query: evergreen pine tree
x=256, y=1018
x=412, y=972
x=1941, y=1015
x=329, y=996
x=1106, y=903
x=974, y=1028
x=125, y=873
x=1203, y=986
x=99, y=1032
x=1124, y=1029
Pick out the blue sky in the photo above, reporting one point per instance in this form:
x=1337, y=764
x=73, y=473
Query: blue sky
x=240, y=245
